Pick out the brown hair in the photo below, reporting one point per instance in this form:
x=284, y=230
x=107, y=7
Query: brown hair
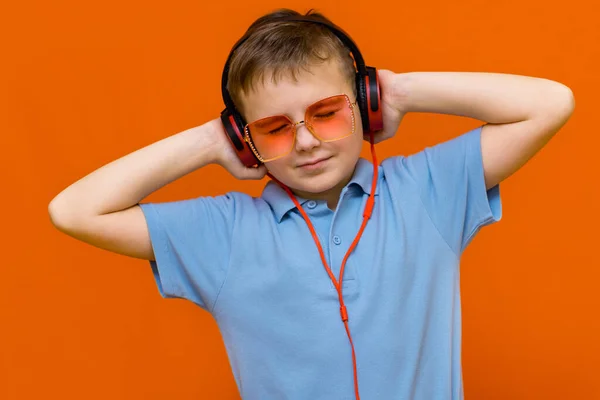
x=284, y=48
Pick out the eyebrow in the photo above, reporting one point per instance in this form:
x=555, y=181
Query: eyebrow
x=261, y=125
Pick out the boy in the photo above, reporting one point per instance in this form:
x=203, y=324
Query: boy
x=252, y=263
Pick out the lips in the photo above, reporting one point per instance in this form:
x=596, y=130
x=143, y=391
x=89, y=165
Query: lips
x=312, y=162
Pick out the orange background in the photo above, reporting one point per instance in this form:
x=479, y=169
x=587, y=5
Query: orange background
x=83, y=84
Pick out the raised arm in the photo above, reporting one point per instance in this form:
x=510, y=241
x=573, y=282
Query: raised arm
x=522, y=113
x=102, y=208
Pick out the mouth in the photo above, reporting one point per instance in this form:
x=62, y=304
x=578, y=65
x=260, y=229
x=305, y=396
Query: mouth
x=314, y=164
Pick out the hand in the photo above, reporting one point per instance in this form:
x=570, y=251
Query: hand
x=391, y=103
x=227, y=157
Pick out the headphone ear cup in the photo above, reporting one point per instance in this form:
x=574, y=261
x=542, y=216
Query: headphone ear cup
x=233, y=125
x=361, y=97
x=373, y=100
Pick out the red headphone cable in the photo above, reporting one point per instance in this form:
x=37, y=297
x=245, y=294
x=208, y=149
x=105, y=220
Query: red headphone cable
x=366, y=215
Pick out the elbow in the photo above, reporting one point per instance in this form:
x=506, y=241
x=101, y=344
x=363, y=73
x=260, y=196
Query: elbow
x=568, y=100
x=559, y=106
x=60, y=214
x=563, y=102
x=54, y=212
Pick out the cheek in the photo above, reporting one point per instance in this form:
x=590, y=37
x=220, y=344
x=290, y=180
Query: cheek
x=276, y=167
x=355, y=143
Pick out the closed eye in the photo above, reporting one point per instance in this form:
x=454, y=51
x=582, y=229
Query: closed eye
x=325, y=115
x=277, y=130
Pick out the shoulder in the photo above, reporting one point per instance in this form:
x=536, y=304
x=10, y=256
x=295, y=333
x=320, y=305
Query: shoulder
x=232, y=207
x=444, y=159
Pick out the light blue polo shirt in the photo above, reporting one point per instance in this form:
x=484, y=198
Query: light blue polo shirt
x=253, y=265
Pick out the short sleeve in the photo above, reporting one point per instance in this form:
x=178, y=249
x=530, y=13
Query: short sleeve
x=452, y=187
x=191, y=240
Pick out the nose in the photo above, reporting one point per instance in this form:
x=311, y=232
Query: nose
x=305, y=140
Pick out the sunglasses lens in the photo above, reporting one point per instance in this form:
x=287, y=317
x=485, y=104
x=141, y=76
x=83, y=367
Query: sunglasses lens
x=331, y=119
x=272, y=136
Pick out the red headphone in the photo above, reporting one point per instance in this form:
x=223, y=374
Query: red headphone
x=367, y=88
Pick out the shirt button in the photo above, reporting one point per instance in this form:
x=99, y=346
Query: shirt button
x=337, y=239
x=311, y=204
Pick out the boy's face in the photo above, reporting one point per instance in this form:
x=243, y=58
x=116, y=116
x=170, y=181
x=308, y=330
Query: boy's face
x=326, y=179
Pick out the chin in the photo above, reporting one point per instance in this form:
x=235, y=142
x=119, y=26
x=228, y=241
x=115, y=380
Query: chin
x=319, y=183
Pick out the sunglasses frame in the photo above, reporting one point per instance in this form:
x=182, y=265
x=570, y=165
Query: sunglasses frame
x=248, y=138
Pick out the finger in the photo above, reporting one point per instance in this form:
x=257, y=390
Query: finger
x=253, y=173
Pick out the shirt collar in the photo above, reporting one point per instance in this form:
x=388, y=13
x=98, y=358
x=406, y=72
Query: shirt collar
x=281, y=203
